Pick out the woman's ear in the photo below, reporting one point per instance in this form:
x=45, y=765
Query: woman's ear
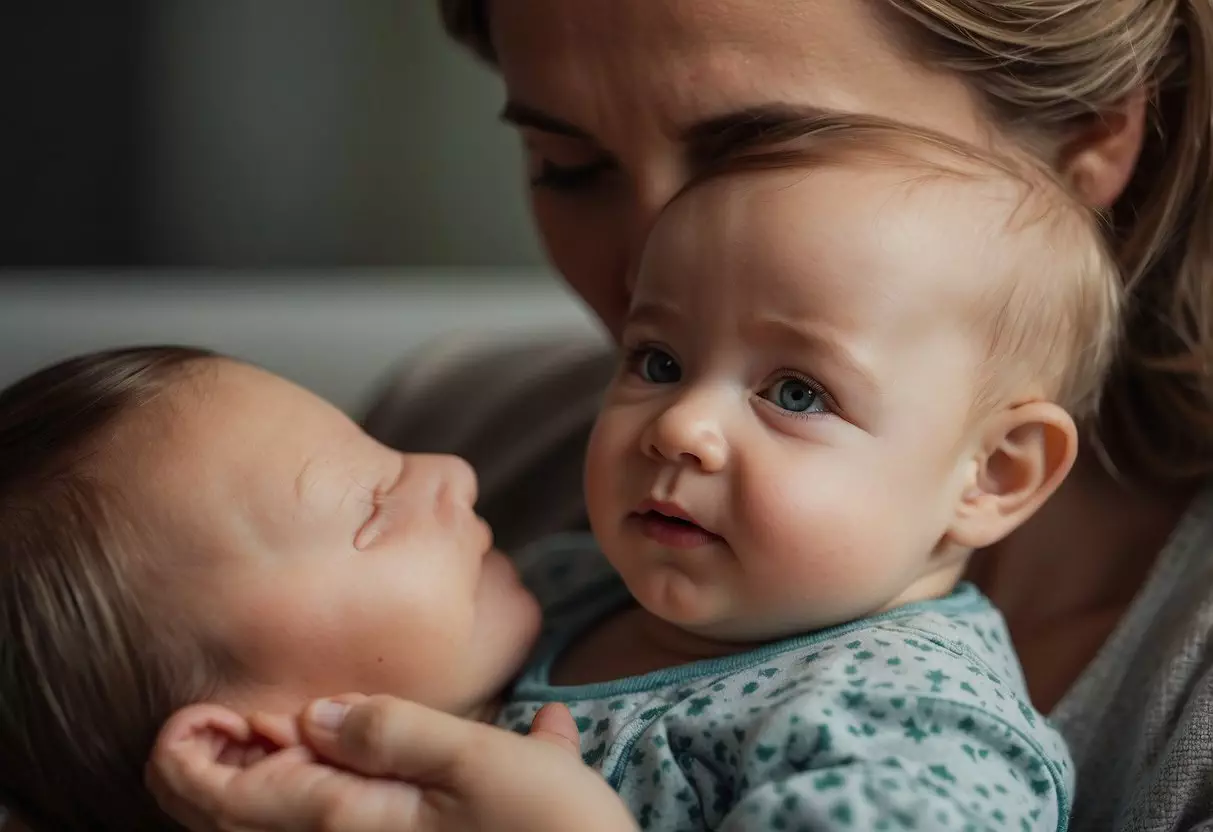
x=1098, y=161
x=1025, y=453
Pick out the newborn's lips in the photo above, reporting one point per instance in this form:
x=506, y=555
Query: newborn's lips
x=671, y=525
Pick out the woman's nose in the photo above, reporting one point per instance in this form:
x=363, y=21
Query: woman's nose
x=650, y=197
x=688, y=433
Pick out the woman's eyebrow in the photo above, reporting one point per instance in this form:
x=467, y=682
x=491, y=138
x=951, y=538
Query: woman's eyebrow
x=523, y=115
x=727, y=134
x=709, y=140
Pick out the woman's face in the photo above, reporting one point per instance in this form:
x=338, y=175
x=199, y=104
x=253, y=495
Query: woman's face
x=614, y=99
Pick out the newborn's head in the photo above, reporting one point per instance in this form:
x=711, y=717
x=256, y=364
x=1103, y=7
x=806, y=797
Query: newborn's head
x=177, y=527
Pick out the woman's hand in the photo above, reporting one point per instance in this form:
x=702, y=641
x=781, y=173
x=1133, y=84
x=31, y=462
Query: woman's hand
x=403, y=768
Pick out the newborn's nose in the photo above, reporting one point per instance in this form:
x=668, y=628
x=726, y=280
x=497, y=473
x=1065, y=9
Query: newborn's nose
x=457, y=480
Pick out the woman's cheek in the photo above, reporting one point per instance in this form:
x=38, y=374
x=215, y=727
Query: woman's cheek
x=584, y=248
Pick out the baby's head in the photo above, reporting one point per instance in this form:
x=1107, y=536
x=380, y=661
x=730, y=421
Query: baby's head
x=854, y=355
x=178, y=527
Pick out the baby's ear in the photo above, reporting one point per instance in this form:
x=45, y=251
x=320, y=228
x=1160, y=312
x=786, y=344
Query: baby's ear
x=1025, y=453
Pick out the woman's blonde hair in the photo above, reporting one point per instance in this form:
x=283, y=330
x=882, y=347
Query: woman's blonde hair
x=1045, y=69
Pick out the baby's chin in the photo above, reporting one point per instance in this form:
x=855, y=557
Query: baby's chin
x=679, y=599
x=712, y=612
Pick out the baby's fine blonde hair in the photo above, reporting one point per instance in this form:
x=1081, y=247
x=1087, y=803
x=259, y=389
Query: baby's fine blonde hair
x=1049, y=303
x=1045, y=69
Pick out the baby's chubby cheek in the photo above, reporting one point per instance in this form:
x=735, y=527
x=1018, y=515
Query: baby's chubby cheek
x=824, y=555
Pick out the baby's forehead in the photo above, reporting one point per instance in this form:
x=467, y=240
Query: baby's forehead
x=878, y=240
x=958, y=231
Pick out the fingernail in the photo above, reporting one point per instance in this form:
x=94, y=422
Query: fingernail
x=327, y=714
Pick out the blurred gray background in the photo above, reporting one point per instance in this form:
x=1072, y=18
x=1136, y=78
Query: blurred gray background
x=320, y=132
x=316, y=185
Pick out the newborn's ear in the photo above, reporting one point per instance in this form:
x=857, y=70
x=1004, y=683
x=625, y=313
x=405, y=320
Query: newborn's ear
x=1026, y=453
x=202, y=750
x=276, y=730
x=206, y=738
x=206, y=734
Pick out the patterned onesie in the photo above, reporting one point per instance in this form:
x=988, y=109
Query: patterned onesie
x=916, y=718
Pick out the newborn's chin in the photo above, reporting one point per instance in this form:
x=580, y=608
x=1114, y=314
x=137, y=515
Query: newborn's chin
x=508, y=615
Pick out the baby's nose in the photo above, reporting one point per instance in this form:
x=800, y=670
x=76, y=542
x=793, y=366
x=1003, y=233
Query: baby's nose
x=688, y=433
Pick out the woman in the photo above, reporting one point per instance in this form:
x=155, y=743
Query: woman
x=1108, y=591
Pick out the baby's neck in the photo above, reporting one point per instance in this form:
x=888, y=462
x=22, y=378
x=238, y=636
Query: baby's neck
x=634, y=642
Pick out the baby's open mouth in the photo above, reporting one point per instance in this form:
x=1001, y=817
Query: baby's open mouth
x=666, y=518
x=674, y=531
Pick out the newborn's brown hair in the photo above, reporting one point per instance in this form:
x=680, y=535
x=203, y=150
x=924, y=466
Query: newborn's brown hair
x=90, y=666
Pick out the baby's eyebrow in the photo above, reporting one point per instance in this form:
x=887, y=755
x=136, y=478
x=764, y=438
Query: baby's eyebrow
x=799, y=336
x=653, y=313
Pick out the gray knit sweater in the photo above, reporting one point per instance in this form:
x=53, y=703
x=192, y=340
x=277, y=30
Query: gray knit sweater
x=1139, y=721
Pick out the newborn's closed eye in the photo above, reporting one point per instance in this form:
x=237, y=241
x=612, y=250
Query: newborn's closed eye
x=375, y=502
x=368, y=532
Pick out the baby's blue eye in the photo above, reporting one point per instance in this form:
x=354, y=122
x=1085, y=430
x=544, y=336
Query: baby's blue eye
x=658, y=367
x=795, y=396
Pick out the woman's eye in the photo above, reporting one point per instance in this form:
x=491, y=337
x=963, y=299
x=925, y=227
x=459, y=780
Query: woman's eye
x=568, y=177
x=656, y=366
x=796, y=395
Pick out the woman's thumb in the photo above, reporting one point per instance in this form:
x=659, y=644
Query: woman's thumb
x=386, y=737
x=555, y=726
